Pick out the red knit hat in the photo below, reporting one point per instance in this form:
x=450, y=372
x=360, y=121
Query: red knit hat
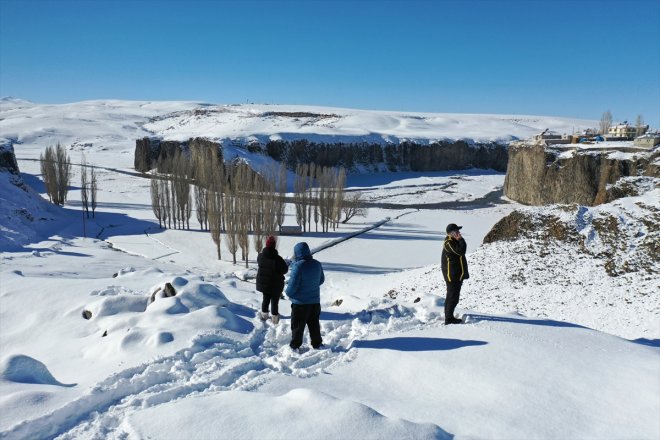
x=270, y=242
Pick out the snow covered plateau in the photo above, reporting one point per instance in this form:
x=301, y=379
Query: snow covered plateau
x=562, y=310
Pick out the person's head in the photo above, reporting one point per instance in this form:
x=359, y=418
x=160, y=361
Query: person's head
x=301, y=251
x=453, y=230
x=271, y=242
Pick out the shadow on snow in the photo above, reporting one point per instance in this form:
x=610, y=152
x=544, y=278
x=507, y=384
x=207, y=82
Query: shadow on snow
x=416, y=344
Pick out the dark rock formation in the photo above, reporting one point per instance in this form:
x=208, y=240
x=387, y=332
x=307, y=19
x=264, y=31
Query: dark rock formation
x=537, y=175
x=406, y=156
x=149, y=152
x=8, y=159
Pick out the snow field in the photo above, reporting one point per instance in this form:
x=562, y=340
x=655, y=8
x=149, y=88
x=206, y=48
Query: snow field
x=201, y=365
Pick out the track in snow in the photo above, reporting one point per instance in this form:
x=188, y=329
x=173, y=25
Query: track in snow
x=215, y=362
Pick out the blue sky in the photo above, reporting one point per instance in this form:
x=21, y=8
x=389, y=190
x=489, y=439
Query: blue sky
x=573, y=58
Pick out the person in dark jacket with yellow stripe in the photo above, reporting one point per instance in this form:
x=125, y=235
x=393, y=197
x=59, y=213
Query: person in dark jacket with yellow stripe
x=454, y=269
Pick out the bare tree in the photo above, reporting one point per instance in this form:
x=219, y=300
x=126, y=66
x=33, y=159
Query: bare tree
x=261, y=202
x=156, y=201
x=339, y=197
x=93, y=190
x=166, y=201
x=281, y=189
x=84, y=186
x=354, y=206
x=215, y=218
x=202, y=206
x=49, y=173
x=605, y=122
x=63, y=173
x=230, y=203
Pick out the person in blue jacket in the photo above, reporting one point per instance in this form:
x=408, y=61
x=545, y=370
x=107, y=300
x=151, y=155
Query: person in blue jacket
x=304, y=290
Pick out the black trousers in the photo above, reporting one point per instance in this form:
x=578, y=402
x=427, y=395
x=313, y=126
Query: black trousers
x=453, y=295
x=305, y=315
x=271, y=299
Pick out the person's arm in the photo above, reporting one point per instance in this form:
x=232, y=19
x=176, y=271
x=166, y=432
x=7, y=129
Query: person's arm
x=283, y=267
x=322, y=274
x=462, y=246
x=455, y=247
x=294, y=281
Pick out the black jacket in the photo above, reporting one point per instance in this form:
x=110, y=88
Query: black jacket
x=454, y=265
x=270, y=275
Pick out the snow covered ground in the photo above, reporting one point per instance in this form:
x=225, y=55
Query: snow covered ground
x=528, y=363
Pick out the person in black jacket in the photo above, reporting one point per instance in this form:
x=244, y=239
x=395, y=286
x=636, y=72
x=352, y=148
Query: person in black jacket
x=454, y=269
x=270, y=279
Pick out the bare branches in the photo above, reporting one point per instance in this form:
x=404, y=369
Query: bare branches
x=354, y=206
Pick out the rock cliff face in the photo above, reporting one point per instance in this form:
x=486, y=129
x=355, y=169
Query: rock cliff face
x=406, y=156
x=539, y=175
x=8, y=159
x=148, y=151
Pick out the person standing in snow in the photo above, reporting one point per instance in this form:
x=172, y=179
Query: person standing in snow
x=270, y=279
x=454, y=269
x=304, y=290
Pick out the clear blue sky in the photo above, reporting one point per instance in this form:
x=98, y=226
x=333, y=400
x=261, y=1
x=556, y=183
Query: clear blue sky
x=573, y=58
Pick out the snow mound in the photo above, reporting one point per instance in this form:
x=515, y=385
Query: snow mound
x=129, y=320
x=308, y=411
x=24, y=369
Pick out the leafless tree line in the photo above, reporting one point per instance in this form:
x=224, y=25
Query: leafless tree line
x=320, y=197
x=56, y=173
x=171, y=199
x=233, y=201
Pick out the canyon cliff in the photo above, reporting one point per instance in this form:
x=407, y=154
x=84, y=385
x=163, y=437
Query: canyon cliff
x=365, y=156
x=540, y=175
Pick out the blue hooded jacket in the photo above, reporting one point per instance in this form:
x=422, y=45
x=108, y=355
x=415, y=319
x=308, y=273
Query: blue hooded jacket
x=306, y=277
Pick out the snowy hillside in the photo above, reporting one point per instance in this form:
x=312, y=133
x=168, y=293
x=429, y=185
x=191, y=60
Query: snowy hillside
x=115, y=125
x=91, y=348
x=598, y=267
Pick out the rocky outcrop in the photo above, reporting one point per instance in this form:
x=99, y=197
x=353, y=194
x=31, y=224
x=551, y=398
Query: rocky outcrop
x=150, y=151
x=624, y=236
x=539, y=175
x=8, y=159
x=405, y=156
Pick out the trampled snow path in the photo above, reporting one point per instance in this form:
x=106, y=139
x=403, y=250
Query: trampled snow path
x=215, y=362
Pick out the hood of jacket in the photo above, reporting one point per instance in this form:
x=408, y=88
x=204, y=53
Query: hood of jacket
x=301, y=251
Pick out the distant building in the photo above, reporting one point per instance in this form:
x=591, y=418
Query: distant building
x=624, y=132
x=550, y=137
x=648, y=140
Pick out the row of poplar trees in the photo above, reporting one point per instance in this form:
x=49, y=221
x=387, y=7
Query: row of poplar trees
x=235, y=203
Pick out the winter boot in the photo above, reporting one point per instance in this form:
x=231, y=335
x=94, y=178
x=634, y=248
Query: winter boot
x=264, y=316
x=276, y=319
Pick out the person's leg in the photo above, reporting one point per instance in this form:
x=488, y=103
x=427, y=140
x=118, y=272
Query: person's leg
x=298, y=320
x=265, y=301
x=275, y=303
x=453, y=294
x=314, y=325
x=274, y=307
